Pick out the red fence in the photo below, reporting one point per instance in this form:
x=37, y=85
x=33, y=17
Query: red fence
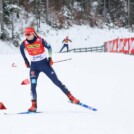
x=121, y=45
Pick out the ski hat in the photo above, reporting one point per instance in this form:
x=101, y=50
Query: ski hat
x=66, y=37
x=29, y=30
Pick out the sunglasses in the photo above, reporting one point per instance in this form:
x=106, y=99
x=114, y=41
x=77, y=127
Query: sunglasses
x=28, y=34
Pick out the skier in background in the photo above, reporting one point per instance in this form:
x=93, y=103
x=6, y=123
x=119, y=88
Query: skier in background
x=65, y=41
x=36, y=48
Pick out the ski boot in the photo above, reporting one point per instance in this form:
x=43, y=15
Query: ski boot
x=33, y=108
x=72, y=98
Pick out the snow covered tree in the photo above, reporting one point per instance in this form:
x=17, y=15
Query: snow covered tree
x=1, y=15
x=118, y=12
x=3, y=32
x=65, y=13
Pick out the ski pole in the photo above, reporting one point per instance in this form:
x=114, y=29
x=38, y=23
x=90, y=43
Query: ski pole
x=62, y=60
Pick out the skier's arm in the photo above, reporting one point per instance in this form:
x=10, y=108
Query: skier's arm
x=22, y=47
x=49, y=48
x=69, y=40
x=63, y=41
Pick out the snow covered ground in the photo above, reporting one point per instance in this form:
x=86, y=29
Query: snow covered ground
x=102, y=80
x=81, y=36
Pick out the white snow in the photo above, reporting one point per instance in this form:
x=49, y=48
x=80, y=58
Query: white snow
x=81, y=36
x=101, y=80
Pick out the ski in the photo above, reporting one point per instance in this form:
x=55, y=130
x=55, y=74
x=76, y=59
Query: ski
x=25, y=112
x=85, y=106
x=29, y=112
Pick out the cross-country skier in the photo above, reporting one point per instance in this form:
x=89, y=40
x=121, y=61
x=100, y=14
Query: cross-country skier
x=65, y=41
x=36, y=48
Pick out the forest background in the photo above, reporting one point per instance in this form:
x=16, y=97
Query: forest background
x=63, y=14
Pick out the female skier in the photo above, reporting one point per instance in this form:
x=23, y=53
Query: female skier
x=36, y=48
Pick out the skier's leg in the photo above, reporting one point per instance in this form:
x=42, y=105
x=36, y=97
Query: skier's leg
x=62, y=48
x=33, y=78
x=67, y=48
x=48, y=70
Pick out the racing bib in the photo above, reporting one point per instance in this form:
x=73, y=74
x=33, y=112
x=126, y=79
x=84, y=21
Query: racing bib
x=38, y=57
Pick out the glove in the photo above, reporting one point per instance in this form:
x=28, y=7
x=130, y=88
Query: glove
x=50, y=61
x=27, y=64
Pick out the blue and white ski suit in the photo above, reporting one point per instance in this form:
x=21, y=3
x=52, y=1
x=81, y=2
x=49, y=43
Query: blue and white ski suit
x=41, y=65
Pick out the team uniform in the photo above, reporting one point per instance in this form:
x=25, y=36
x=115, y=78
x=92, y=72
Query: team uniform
x=36, y=48
x=65, y=41
x=39, y=63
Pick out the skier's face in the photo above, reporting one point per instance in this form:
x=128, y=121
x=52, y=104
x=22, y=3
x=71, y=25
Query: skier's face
x=29, y=36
